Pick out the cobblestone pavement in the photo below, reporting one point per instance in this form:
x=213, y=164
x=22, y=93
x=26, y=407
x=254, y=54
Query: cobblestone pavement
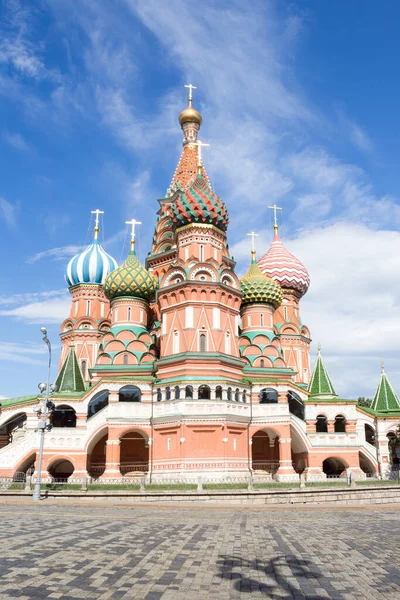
x=78, y=551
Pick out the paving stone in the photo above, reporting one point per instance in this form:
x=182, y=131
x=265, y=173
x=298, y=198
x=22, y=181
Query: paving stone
x=80, y=552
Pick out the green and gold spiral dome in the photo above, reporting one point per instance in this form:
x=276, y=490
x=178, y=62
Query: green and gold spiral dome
x=130, y=279
x=257, y=288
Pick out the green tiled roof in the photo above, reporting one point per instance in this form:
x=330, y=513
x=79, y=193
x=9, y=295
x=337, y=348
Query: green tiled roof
x=385, y=397
x=7, y=402
x=320, y=384
x=70, y=377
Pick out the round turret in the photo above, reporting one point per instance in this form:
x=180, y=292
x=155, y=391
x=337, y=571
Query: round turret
x=199, y=204
x=259, y=289
x=279, y=264
x=90, y=266
x=130, y=279
x=190, y=115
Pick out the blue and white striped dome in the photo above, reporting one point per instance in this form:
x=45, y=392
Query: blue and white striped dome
x=90, y=266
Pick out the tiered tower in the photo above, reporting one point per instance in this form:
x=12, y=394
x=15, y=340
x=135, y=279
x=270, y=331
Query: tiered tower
x=89, y=315
x=279, y=264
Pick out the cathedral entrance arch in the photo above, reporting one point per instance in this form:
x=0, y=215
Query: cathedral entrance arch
x=367, y=465
x=61, y=469
x=96, y=454
x=265, y=451
x=134, y=453
x=299, y=449
x=334, y=466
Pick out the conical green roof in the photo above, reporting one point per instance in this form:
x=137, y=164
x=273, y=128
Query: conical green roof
x=70, y=377
x=385, y=397
x=320, y=384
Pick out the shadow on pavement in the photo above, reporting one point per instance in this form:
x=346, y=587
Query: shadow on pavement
x=290, y=575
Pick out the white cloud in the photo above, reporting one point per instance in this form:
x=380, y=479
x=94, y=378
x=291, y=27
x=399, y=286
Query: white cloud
x=60, y=253
x=45, y=307
x=16, y=141
x=352, y=303
x=8, y=212
x=48, y=311
x=27, y=353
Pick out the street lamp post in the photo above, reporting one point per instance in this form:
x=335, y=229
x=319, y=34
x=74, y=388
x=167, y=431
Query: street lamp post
x=42, y=425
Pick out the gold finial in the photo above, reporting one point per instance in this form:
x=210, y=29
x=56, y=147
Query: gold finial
x=133, y=223
x=275, y=208
x=71, y=343
x=97, y=212
x=383, y=367
x=199, y=162
x=319, y=348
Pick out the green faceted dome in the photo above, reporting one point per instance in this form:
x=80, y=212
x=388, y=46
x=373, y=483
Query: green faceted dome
x=130, y=279
x=257, y=288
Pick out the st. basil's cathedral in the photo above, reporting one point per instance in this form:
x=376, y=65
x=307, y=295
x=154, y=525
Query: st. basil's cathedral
x=177, y=369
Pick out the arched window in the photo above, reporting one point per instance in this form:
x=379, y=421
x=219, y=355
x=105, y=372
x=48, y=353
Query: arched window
x=202, y=342
x=321, y=424
x=262, y=363
x=201, y=253
x=168, y=393
x=125, y=359
x=244, y=396
x=369, y=434
x=237, y=395
x=285, y=312
x=129, y=313
x=340, y=424
x=218, y=392
x=159, y=395
x=229, y=393
x=97, y=403
x=268, y=396
x=63, y=416
x=130, y=393
x=175, y=342
x=227, y=343
x=177, y=392
x=83, y=368
x=204, y=392
x=261, y=320
x=296, y=406
x=88, y=303
x=188, y=391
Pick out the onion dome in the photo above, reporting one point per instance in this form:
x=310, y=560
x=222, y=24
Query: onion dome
x=199, y=204
x=279, y=264
x=259, y=289
x=190, y=115
x=90, y=266
x=130, y=279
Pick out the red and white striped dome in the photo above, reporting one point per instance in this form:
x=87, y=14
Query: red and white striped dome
x=279, y=264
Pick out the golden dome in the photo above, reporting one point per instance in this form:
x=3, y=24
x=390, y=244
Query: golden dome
x=190, y=115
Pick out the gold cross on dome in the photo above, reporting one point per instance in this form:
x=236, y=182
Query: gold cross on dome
x=133, y=223
x=200, y=145
x=97, y=212
x=191, y=88
x=253, y=236
x=274, y=207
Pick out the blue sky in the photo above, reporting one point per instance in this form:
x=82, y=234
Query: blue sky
x=300, y=106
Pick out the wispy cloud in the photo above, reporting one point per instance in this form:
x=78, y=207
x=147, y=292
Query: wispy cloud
x=8, y=212
x=59, y=253
x=30, y=297
x=356, y=134
x=16, y=140
x=54, y=310
x=28, y=353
